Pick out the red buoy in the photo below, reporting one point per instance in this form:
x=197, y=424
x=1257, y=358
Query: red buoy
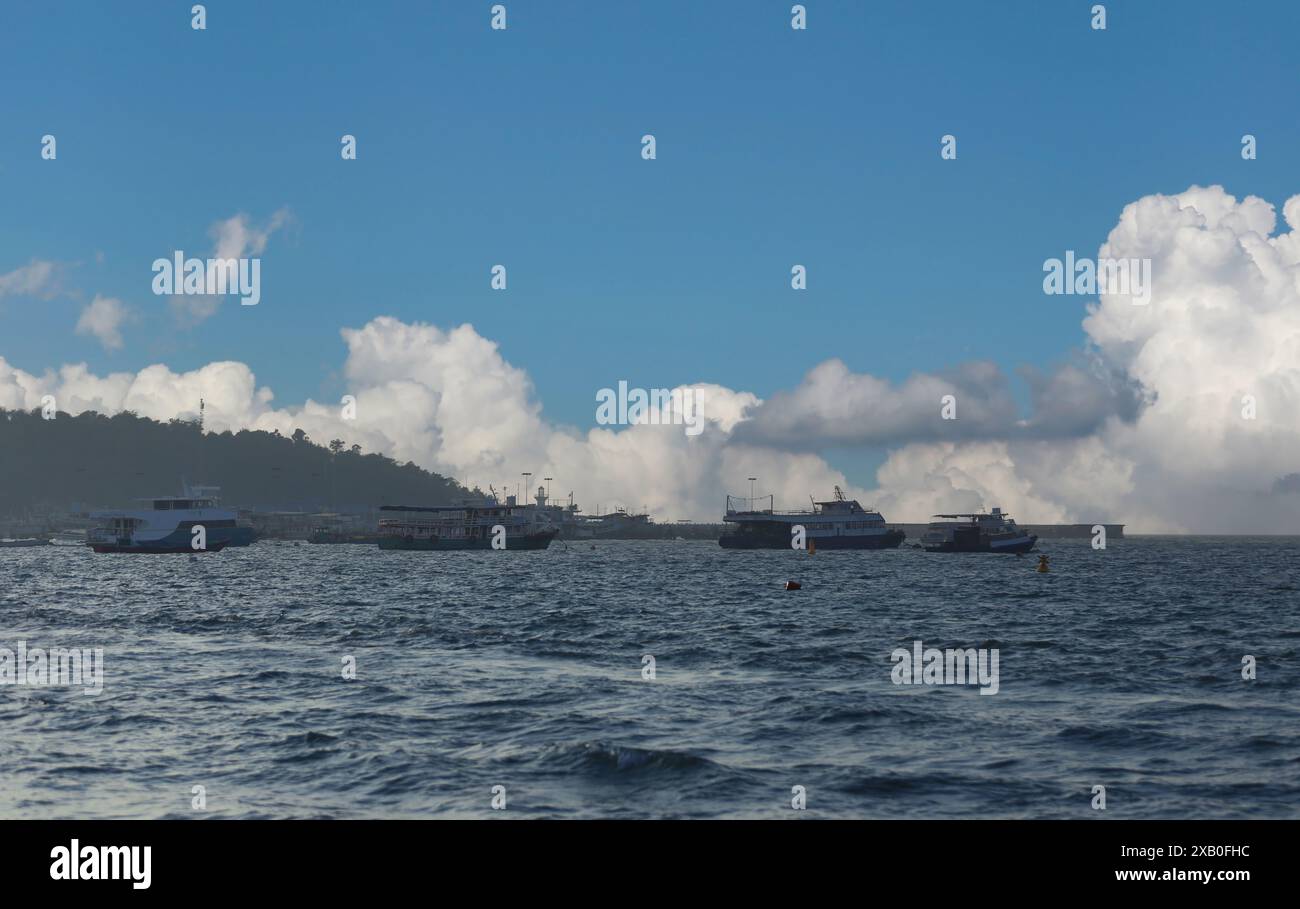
x=793, y=585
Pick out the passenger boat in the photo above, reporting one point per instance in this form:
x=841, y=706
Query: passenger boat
x=168, y=525
x=838, y=524
x=485, y=525
x=994, y=532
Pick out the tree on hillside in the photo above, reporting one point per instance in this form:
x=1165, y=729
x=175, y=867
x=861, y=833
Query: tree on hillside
x=95, y=461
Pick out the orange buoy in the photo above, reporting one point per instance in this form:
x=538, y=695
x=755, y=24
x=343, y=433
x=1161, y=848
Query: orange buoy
x=793, y=585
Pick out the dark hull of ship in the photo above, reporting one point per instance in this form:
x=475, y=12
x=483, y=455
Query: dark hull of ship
x=890, y=539
x=974, y=543
x=513, y=543
x=153, y=548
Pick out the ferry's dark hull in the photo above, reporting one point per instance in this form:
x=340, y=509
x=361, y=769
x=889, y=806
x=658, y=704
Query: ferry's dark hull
x=515, y=543
x=147, y=549
x=1017, y=546
x=890, y=539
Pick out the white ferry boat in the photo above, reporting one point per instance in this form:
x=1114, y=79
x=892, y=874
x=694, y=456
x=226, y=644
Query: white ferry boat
x=168, y=525
x=837, y=524
x=994, y=532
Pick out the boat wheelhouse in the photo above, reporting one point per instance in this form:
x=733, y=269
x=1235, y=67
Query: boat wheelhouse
x=168, y=526
x=993, y=532
x=838, y=524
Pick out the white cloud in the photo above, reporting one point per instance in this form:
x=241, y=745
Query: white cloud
x=155, y=391
x=36, y=278
x=1223, y=323
x=834, y=406
x=235, y=237
x=103, y=319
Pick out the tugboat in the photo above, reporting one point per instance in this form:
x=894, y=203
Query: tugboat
x=167, y=527
x=994, y=532
x=439, y=528
x=837, y=524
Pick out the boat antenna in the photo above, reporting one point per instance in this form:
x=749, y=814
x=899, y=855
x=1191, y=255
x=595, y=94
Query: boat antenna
x=202, y=408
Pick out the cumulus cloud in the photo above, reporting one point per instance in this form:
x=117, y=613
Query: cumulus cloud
x=1214, y=359
x=103, y=319
x=1180, y=415
x=449, y=401
x=834, y=406
x=155, y=391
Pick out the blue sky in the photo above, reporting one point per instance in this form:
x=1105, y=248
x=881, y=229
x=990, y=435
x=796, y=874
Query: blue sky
x=478, y=147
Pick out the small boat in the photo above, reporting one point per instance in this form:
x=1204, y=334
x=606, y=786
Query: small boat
x=838, y=524
x=23, y=544
x=994, y=532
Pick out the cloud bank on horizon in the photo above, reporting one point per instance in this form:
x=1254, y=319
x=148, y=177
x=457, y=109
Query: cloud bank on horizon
x=1180, y=415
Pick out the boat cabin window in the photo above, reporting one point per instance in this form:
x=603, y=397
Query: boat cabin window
x=182, y=504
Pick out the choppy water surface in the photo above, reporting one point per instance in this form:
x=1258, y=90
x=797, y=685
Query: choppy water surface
x=524, y=670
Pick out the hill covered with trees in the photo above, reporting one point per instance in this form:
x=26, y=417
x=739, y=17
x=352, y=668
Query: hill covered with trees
x=99, y=461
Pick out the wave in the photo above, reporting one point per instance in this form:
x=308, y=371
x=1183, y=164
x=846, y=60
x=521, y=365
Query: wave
x=605, y=757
